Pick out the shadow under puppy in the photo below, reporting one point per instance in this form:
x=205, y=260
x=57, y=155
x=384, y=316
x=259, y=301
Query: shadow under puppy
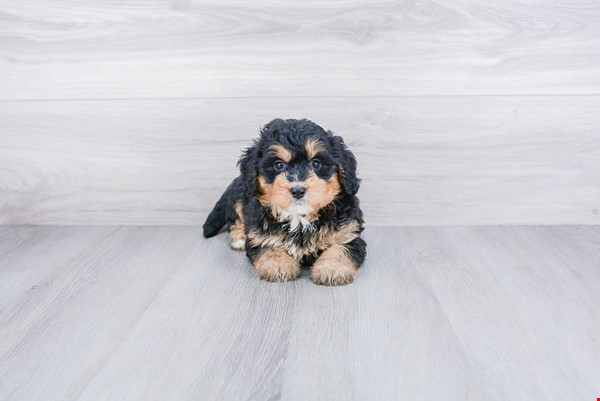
x=294, y=205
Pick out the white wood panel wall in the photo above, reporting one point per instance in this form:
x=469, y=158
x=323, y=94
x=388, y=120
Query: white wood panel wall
x=465, y=112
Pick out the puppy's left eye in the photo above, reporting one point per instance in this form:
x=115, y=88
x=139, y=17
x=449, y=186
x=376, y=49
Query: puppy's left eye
x=316, y=164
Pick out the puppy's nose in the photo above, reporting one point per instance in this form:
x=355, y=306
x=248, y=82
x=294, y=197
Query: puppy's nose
x=298, y=191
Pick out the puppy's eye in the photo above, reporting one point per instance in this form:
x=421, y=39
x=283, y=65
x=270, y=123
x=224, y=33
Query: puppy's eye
x=316, y=164
x=279, y=166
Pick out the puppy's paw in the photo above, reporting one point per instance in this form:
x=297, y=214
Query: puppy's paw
x=332, y=273
x=237, y=233
x=237, y=242
x=277, y=265
x=333, y=267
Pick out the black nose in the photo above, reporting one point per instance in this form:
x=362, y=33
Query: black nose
x=298, y=191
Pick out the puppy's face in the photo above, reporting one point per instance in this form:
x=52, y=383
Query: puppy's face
x=296, y=181
x=296, y=169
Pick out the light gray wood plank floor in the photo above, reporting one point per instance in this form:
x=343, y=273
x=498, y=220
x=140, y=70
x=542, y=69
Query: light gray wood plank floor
x=158, y=313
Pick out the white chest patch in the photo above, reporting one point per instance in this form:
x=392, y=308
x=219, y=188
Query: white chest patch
x=297, y=218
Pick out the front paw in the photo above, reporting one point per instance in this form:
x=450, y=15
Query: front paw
x=332, y=272
x=237, y=243
x=277, y=265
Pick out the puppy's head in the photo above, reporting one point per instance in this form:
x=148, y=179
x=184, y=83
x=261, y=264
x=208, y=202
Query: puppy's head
x=296, y=168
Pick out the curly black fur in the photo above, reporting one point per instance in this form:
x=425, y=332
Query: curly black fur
x=258, y=161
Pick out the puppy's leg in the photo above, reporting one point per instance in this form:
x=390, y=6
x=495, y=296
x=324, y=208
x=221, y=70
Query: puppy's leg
x=275, y=264
x=338, y=264
x=237, y=236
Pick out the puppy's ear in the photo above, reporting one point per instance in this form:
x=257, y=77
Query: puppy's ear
x=346, y=165
x=248, y=165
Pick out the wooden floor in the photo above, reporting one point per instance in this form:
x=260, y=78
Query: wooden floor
x=436, y=313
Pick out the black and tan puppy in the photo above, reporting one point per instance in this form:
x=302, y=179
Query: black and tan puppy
x=294, y=204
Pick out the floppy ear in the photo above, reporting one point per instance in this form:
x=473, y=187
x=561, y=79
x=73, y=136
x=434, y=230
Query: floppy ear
x=346, y=166
x=248, y=165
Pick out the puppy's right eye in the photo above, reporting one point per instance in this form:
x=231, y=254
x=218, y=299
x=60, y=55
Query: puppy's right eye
x=279, y=166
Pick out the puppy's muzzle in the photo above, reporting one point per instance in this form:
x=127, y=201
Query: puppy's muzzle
x=298, y=191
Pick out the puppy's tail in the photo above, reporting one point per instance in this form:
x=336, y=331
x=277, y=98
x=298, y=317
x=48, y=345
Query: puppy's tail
x=216, y=219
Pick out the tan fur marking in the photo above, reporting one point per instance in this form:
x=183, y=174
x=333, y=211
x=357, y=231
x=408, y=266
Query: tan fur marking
x=314, y=146
x=320, y=193
x=237, y=235
x=277, y=195
x=273, y=240
x=333, y=267
x=277, y=265
x=282, y=152
x=314, y=242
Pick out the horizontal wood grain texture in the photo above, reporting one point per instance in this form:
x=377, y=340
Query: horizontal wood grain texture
x=438, y=160
x=157, y=313
x=68, y=49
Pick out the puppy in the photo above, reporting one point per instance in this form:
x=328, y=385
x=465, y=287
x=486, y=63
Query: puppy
x=294, y=204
